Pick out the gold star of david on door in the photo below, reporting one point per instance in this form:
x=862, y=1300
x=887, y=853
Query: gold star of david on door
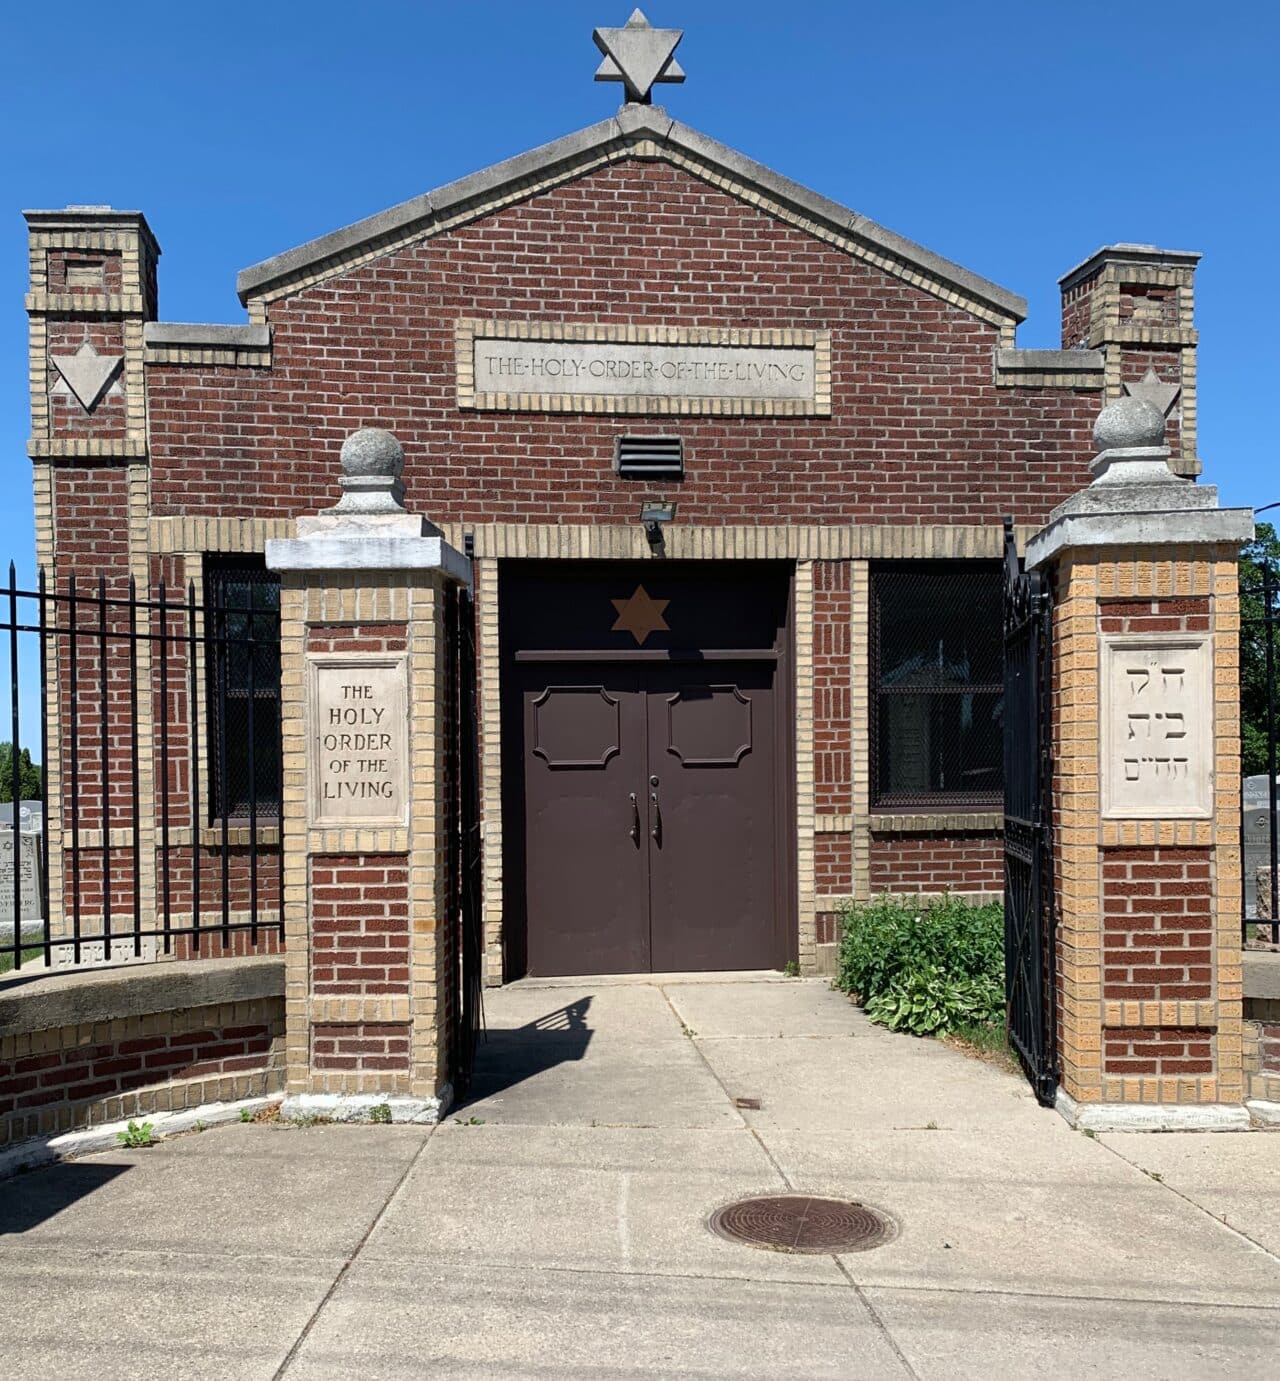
x=640, y=615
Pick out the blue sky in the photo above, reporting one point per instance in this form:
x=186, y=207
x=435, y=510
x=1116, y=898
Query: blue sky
x=1015, y=138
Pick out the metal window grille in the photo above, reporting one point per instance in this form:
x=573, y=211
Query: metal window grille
x=243, y=669
x=936, y=686
x=105, y=686
x=649, y=457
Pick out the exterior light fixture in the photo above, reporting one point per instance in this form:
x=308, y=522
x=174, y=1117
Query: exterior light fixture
x=654, y=515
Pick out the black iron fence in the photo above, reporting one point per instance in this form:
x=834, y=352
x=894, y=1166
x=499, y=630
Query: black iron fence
x=1260, y=837
x=153, y=838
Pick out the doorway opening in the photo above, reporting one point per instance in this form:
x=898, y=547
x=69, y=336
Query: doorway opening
x=648, y=782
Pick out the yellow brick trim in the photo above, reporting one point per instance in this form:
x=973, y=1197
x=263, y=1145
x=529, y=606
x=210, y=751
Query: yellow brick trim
x=42, y=303
x=926, y=822
x=196, y=534
x=185, y=355
x=806, y=886
x=428, y=873
x=86, y=448
x=860, y=724
x=785, y=542
x=489, y=692
x=1119, y=1015
x=344, y=1010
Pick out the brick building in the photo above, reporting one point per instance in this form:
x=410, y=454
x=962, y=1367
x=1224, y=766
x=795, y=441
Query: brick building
x=731, y=460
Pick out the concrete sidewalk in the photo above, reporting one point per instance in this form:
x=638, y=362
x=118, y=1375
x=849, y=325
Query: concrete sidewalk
x=555, y=1225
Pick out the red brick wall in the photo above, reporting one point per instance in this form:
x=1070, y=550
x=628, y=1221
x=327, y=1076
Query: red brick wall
x=937, y=863
x=833, y=863
x=43, y=1090
x=370, y=1045
x=919, y=431
x=1184, y=615
x=1075, y=314
x=367, y=637
x=360, y=924
x=1157, y=923
x=1168, y=1050
x=80, y=261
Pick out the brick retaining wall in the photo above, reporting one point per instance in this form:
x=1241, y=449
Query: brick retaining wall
x=80, y=1049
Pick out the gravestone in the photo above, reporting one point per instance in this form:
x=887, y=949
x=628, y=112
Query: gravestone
x=27, y=844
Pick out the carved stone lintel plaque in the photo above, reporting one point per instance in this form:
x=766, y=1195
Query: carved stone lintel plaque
x=1157, y=727
x=594, y=367
x=357, y=723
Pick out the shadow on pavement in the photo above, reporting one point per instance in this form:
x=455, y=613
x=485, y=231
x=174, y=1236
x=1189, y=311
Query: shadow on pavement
x=510, y=1055
x=28, y=1200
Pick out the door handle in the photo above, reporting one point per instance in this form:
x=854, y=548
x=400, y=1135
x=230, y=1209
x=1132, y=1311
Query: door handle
x=635, y=820
x=656, y=831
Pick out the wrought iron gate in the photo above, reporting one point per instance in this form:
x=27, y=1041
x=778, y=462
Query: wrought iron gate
x=469, y=1010
x=1030, y=997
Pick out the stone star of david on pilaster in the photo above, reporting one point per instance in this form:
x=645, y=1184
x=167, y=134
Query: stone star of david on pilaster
x=640, y=615
x=86, y=375
x=1154, y=390
x=638, y=55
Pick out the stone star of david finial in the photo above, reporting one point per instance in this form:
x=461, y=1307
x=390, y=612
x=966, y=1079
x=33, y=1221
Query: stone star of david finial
x=1154, y=390
x=638, y=56
x=640, y=615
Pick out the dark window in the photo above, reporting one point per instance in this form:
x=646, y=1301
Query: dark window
x=937, y=672
x=242, y=662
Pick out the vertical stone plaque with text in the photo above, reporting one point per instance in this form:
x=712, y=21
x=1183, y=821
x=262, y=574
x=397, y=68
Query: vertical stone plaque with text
x=1157, y=728
x=359, y=740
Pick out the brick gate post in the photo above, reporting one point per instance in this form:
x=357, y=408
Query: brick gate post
x=370, y=959
x=1146, y=787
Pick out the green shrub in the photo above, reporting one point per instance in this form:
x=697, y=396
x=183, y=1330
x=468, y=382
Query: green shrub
x=924, y=967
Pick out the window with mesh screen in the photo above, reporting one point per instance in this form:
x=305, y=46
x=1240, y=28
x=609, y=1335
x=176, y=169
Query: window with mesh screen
x=937, y=669
x=242, y=662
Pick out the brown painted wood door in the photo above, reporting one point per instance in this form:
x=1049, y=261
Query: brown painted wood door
x=713, y=823
x=586, y=839
x=649, y=821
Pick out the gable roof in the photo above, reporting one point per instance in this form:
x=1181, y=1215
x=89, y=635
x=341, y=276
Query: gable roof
x=636, y=131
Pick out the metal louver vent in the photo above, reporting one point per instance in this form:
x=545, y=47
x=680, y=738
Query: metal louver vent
x=649, y=456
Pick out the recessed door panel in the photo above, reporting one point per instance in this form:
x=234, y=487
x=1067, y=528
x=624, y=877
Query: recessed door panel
x=585, y=842
x=713, y=893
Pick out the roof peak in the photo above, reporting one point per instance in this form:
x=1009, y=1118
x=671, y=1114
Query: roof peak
x=614, y=138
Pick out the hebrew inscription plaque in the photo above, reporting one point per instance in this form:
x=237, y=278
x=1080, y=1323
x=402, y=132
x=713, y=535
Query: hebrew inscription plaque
x=1157, y=728
x=359, y=732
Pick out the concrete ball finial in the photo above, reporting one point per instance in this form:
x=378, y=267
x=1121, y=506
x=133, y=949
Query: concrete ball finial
x=1128, y=423
x=372, y=451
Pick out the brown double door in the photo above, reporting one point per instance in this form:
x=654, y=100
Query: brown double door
x=649, y=804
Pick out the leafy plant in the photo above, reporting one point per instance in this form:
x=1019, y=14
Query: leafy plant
x=380, y=1112
x=137, y=1134
x=246, y=1114
x=30, y=777
x=926, y=968
x=1263, y=550
x=791, y=969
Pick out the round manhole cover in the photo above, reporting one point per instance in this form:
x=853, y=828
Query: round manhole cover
x=802, y=1223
